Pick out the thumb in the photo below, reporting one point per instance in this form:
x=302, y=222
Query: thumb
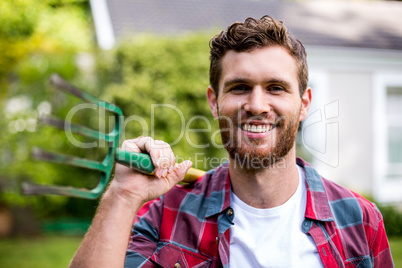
x=181, y=169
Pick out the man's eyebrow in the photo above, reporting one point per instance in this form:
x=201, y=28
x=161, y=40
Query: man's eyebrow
x=237, y=81
x=278, y=81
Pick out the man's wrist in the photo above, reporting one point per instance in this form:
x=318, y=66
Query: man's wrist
x=116, y=194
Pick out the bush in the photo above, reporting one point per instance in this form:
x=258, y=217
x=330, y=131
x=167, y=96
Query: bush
x=36, y=42
x=392, y=220
x=160, y=84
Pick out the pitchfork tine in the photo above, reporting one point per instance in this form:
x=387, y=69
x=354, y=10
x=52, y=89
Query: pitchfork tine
x=81, y=130
x=57, y=81
x=138, y=161
x=37, y=189
x=40, y=154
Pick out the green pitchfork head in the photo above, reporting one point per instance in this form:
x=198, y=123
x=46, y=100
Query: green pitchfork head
x=141, y=162
x=137, y=161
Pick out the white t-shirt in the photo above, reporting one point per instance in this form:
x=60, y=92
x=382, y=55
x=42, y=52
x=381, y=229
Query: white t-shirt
x=272, y=237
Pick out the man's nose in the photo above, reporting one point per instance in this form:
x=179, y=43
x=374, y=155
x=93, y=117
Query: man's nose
x=257, y=102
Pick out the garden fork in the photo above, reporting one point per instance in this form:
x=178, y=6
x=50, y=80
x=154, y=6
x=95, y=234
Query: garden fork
x=138, y=161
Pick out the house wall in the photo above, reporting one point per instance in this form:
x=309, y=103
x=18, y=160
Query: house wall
x=353, y=91
x=341, y=134
x=340, y=140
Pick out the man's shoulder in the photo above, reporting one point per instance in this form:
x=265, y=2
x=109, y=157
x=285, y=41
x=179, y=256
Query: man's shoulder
x=213, y=183
x=347, y=206
x=344, y=201
x=213, y=180
x=180, y=196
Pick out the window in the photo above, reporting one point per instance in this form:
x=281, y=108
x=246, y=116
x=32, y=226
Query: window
x=394, y=127
x=387, y=137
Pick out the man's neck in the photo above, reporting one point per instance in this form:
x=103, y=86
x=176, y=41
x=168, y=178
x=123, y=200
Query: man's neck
x=268, y=187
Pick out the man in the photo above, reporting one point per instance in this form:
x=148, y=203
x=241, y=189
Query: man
x=264, y=208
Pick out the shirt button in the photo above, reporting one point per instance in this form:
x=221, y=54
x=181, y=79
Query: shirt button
x=306, y=225
x=230, y=212
x=177, y=265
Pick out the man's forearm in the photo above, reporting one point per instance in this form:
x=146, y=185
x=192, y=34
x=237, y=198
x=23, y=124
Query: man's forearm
x=106, y=241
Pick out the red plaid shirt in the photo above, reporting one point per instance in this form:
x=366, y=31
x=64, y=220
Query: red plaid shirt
x=189, y=226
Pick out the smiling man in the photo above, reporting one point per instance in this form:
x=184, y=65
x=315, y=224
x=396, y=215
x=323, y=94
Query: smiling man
x=265, y=207
x=259, y=93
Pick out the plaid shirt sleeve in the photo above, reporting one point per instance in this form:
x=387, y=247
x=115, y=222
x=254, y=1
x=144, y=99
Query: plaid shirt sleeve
x=347, y=229
x=145, y=234
x=380, y=250
x=186, y=226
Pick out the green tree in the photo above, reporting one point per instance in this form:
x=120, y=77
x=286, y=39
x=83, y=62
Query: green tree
x=17, y=23
x=160, y=83
x=36, y=41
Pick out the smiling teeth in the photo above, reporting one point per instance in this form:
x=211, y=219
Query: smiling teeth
x=257, y=129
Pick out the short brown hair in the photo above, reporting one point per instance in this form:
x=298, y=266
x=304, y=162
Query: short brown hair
x=254, y=34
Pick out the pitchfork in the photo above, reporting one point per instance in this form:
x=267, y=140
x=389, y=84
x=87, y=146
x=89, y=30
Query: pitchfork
x=138, y=161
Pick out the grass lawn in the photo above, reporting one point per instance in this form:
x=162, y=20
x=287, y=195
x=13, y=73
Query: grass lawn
x=57, y=251
x=396, y=249
x=44, y=252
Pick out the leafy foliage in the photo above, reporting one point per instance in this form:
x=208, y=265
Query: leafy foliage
x=36, y=41
x=392, y=220
x=29, y=27
x=392, y=217
x=160, y=83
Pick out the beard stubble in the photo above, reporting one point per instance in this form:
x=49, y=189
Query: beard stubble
x=261, y=153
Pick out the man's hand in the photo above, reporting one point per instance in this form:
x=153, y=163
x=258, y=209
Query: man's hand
x=132, y=185
x=106, y=241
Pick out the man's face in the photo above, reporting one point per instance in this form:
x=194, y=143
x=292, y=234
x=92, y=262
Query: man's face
x=259, y=106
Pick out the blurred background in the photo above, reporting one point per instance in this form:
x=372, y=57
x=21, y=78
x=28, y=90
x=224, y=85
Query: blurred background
x=151, y=59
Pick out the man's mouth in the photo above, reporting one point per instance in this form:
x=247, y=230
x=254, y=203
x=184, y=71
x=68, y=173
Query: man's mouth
x=257, y=128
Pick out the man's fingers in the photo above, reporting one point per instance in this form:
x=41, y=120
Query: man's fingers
x=162, y=156
x=130, y=145
x=180, y=170
x=160, y=152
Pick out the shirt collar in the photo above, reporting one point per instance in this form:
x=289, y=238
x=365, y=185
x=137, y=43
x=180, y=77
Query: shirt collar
x=219, y=199
x=317, y=206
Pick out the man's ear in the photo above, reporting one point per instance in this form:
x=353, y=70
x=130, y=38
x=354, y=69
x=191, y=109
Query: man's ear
x=212, y=100
x=305, y=104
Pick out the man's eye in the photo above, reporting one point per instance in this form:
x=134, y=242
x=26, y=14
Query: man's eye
x=239, y=88
x=275, y=89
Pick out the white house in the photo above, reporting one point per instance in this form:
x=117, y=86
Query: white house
x=354, y=132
